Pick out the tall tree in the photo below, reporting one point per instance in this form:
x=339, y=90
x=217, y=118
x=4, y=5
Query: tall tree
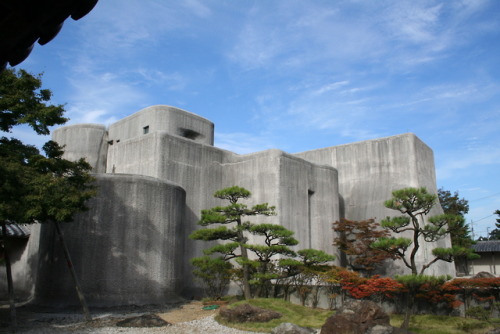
x=495, y=234
x=354, y=239
x=233, y=213
x=415, y=204
x=35, y=187
x=460, y=232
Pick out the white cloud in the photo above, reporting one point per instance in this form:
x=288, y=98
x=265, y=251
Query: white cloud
x=197, y=7
x=468, y=160
x=101, y=98
x=242, y=143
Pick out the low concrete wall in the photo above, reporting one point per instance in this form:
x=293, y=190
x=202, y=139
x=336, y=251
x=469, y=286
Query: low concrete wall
x=23, y=255
x=126, y=250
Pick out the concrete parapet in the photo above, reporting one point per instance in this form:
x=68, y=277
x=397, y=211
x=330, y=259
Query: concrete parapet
x=175, y=121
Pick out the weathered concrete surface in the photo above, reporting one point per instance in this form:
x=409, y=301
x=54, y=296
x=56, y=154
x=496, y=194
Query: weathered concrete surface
x=126, y=250
x=141, y=216
x=368, y=173
x=305, y=194
x=163, y=118
x=194, y=166
x=24, y=262
x=87, y=141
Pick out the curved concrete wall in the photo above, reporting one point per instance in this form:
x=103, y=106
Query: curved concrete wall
x=126, y=250
x=163, y=118
x=84, y=141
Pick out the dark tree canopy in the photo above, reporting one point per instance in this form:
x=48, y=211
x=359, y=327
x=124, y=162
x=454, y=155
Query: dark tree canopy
x=23, y=101
x=35, y=187
x=452, y=203
x=495, y=234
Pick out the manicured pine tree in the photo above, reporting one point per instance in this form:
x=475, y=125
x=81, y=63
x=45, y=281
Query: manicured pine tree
x=232, y=227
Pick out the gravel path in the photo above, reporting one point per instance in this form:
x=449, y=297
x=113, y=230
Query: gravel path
x=202, y=326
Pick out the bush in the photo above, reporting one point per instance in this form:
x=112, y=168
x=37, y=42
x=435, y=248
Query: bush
x=478, y=312
x=470, y=326
x=214, y=273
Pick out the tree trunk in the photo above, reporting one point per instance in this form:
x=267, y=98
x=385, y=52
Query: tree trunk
x=73, y=274
x=246, y=273
x=10, y=284
x=410, y=305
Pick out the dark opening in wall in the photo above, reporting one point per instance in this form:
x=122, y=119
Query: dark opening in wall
x=189, y=134
x=145, y=129
x=310, y=194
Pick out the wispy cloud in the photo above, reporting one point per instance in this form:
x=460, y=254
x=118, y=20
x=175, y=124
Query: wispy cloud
x=242, y=143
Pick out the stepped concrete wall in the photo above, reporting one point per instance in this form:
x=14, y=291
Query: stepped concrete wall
x=368, y=173
x=157, y=169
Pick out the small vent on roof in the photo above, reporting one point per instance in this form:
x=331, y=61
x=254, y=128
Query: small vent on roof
x=189, y=134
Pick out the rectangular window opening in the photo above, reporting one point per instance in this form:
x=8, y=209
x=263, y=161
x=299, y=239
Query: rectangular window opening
x=145, y=130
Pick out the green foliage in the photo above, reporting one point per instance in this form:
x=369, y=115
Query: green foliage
x=414, y=282
x=22, y=101
x=414, y=204
x=411, y=201
x=395, y=223
x=36, y=187
x=313, y=257
x=452, y=204
x=232, y=194
x=478, y=312
x=448, y=254
x=276, y=239
x=389, y=243
x=495, y=234
x=296, y=314
x=215, y=273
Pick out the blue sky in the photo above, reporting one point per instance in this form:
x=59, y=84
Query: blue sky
x=297, y=75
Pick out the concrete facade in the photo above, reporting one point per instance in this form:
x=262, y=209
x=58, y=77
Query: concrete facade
x=157, y=169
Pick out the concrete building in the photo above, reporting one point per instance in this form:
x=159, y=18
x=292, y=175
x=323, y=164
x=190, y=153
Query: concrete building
x=157, y=169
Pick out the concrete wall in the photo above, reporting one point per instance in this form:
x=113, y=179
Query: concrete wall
x=163, y=118
x=195, y=166
x=368, y=173
x=489, y=262
x=23, y=255
x=133, y=246
x=305, y=194
x=87, y=141
x=127, y=249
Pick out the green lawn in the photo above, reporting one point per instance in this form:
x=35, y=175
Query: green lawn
x=315, y=318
